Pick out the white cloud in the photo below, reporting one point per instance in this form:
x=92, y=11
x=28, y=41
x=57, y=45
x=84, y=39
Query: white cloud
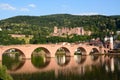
x=5, y=6
x=24, y=9
x=32, y=5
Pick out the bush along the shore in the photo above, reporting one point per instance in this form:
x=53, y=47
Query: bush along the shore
x=3, y=74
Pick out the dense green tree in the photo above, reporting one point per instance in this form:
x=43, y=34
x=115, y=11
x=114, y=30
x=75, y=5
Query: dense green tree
x=6, y=39
x=45, y=24
x=42, y=26
x=3, y=74
x=57, y=39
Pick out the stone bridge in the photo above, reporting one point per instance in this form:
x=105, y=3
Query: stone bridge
x=51, y=49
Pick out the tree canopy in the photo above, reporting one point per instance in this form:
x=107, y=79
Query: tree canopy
x=42, y=26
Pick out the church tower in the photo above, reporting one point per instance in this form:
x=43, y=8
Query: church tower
x=111, y=42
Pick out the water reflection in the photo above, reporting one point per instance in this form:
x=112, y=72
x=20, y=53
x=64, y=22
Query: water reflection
x=79, y=59
x=40, y=61
x=94, y=57
x=40, y=57
x=62, y=60
x=117, y=62
x=109, y=63
x=79, y=67
x=13, y=62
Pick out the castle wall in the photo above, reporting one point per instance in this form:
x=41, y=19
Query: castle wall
x=69, y=31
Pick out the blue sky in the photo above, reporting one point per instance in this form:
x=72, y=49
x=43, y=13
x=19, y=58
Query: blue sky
x=10, y=8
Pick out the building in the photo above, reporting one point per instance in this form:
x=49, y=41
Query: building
x=22, y=37
x=17, y=35
x=96, y=42
x=108, y=42
x=69, y=31
x=118, y=32
x=0, y=29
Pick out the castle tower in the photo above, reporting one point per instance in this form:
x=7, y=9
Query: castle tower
x=80, y=31
x=111, y=42
x=63, y=30
x=55, y=30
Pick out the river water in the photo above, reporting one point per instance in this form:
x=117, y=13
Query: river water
x=65, y=68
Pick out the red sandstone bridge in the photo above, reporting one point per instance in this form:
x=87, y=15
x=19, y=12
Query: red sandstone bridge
x=51, y=49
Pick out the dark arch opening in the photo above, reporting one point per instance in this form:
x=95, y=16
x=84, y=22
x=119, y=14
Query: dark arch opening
x=14, y=50
x=80, y=51
x=40, y=57
x=105, y=51
x=41, y=51
x=62, y=56
x=79, y=55
x=94, y=51
x=63, y=51
x=13, y=59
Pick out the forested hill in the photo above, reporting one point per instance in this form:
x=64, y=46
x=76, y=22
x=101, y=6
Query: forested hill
x=29, y=24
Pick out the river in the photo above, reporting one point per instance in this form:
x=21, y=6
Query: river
x=94, y=67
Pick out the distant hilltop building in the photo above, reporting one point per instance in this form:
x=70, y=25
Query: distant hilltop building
x=109, y=42
x=118, y=32
x=17, y=35
x=0, y=29
x=69, y=31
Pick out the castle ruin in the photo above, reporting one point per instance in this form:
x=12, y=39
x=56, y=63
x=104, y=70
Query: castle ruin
x=69, y=31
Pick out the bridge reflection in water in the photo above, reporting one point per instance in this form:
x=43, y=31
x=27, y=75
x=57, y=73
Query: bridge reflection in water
x=77, y=64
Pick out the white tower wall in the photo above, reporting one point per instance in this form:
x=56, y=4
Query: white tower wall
x=111, y=42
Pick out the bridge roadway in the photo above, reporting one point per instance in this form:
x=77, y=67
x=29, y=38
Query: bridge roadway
x=51, y=49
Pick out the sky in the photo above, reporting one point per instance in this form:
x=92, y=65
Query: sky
x=11, y=8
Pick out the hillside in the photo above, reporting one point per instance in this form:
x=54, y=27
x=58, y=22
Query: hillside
x=44, y=24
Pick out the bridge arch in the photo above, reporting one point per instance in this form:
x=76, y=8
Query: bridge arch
x=51, y=49
x=47, y=52
x=12, y=58
x=40, y=57
x=94, y=51
x=64, y=49
x=8, y=51
x=81, y=50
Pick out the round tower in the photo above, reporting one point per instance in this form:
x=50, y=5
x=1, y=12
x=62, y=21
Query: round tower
x=111, y=42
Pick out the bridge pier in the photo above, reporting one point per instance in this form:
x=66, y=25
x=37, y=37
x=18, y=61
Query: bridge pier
x=0, y=53
x=0, y=57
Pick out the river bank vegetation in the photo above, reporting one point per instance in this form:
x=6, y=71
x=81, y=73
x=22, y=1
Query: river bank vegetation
x=3, y=74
